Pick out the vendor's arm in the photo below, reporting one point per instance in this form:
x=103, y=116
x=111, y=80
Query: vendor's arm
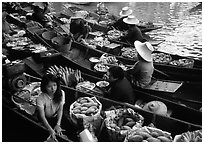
x=59, y=115
x=41, y=111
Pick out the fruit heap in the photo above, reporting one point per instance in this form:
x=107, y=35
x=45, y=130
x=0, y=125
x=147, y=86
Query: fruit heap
x=120, y=121
x=182, y=62
x=130, y=53
x=114, y=34
x=85, y=106
x=161, y=58
x=148, y=134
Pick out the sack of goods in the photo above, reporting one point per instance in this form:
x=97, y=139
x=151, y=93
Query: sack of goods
x=119, y=121
x=89, y=109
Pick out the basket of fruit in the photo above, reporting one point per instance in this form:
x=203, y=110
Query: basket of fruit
x=86, y=108
x=118, y=122
x=187, y=63
x=148, y=134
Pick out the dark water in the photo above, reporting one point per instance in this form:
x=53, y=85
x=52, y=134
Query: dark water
x=182, y=23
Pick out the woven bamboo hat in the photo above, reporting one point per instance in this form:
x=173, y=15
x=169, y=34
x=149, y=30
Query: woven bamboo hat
x=126, y=11
x=131, y=19
x=144, y=50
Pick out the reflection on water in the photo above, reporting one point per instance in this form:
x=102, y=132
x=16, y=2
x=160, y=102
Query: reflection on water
x=182, y=23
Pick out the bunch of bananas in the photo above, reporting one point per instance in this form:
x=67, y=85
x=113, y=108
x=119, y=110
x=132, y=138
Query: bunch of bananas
x=67, y=75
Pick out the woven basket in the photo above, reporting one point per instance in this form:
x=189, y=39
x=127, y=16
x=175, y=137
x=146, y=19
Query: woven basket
x=94, y=119
x=117, y=135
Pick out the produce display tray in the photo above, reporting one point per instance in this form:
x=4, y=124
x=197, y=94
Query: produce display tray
x=164, y=86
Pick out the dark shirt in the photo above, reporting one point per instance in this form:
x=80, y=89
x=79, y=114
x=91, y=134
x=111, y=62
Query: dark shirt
x=78, y=29
x=122, y=91
x=39, y=15
x=133, y=34
x=120, y=25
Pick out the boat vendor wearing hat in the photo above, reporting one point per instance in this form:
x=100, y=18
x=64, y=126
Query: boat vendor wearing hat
x=120, y=24
x=142, y=70
x=133, y=33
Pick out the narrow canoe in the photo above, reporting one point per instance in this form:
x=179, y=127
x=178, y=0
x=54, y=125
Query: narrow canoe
x=164, y=123
x=173, y=107
x=79, y=56
x=188, y=72
x=144, y=27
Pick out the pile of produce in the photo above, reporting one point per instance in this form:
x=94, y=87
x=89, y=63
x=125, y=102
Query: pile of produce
x=68, y=76
x=96, y=33
x=88, y=109
x=98, y=41
x=108, y=59
x=130, y=53
x=114, y=34
x=119, y=121
x=194, y=136
x=148, y=134
x=81, y=13
x=85, y=86
x=183, y=62
x=65, y=20
x=161, y=58
x=101, y=67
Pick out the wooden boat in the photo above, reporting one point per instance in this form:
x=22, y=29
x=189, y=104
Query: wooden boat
x=98, y=27
x=164, y=123
x=39, y=69
x=174, y=66
x=144, y=27
x=86, y=63
x=79, y=57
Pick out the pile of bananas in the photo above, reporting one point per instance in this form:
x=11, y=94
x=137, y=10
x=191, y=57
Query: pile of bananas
x=161, y=58
x=67, y=75
x=195, y=136
x=148, y=134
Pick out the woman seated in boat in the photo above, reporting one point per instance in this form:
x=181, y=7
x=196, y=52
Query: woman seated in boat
x=120, y=88
x=41, y=9
x=50, y=104
x=133, y=33
x=79, y=29
x=142, y=70
x=119, y=24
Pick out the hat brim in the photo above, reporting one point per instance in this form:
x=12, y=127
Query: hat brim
x=125, y=20
x=122, y=15
x=147, y=56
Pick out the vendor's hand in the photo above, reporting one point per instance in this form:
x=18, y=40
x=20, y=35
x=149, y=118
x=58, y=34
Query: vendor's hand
x=105, y=77
x=52, y=134
x=58, y=130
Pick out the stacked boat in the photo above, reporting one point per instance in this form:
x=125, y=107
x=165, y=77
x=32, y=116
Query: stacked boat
x=81, y=68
